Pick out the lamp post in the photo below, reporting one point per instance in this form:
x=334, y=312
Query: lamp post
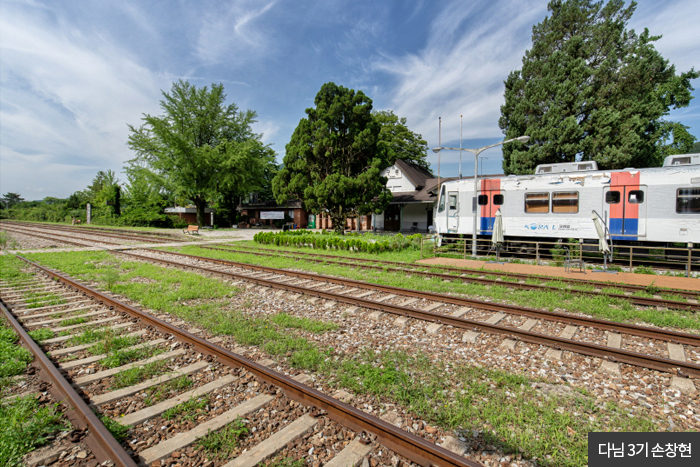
x=476, y=152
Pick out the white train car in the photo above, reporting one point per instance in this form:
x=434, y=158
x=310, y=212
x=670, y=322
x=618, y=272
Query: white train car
x=659, y=205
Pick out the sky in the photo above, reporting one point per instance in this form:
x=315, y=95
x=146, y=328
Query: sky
x=74, y=74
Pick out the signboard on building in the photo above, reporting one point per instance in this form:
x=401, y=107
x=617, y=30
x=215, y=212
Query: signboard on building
x=271, y=214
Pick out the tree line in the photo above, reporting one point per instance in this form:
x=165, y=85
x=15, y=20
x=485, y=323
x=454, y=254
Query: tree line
x=589, y=89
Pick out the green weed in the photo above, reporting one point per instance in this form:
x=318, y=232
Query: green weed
x=223, y=443
x=188, y=410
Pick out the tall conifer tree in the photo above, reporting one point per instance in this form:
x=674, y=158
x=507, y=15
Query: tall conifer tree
x=590, y=89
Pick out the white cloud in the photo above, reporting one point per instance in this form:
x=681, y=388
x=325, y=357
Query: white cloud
x=233, y=33
x=67, y=95
x=461, y=70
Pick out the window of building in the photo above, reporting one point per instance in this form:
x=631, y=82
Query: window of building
x=483, y=200
x=498, y=200
x=612, y=197
x=636, y=197
x=688, y=200
x=536, y=203
x=565, y=201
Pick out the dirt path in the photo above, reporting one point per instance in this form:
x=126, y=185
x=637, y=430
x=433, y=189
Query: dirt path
x=684, y=283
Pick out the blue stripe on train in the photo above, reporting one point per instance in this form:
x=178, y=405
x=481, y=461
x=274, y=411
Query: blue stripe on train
x=486, y=226
x=631, y=227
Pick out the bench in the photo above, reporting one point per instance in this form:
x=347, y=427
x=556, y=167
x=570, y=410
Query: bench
x=191, y=229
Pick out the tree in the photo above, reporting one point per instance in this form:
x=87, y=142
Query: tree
x=332, y=163
x=398, y=141
x=590, y=89
x=200, y=147
x=104, y=195
x=9, y=200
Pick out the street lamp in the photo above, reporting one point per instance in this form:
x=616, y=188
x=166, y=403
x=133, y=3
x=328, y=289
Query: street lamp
x=476, y=152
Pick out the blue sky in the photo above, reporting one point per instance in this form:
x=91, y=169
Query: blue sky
x=73, y=74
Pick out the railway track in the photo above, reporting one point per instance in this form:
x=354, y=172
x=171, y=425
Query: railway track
x=481, y=277
x=69, y=239
x=599, y=338
x=103, y=232
x=282, y=414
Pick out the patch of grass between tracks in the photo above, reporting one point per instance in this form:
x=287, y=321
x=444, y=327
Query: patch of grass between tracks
x=598, y=306
x=502, y=408
x=25, y=423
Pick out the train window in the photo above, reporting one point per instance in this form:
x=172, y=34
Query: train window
x=612, y=197
x=688, y=200
x=536, y=202
x=453, y=201
x=498, y=200
x=565, y=201
x=483, y=200
x=636, y=197
x=441, y=205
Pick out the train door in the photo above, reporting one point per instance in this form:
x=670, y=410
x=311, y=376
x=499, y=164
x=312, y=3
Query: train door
x=625, y=208
x=452, y=211
x=490, y=199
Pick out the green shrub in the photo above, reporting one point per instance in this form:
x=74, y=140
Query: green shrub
x=330, y=241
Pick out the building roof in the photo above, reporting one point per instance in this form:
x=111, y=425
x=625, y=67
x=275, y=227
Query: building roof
x=417, y=175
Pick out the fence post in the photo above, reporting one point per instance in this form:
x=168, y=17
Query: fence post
x=690, y=257
x=631, y=256
x=537, y=253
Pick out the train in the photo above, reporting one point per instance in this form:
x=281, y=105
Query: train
x=656, y=206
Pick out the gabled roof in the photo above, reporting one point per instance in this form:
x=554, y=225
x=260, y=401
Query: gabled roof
x=415, y=174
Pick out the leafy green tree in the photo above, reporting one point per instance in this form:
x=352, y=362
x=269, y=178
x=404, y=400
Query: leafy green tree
x=104, y=195
x=200, y=147
x=144, y=198
x=332, y=163
x=695, y=148
x=590, y=89
x=9, y=200
x=398, y=141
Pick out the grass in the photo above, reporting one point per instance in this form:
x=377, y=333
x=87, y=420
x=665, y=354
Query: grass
x=91, y=335
x=163, y=391
x=597, y=306
x=112, y=344
x=223, y=443
x=139, y=374
x=504, y=406
x=123, y=356
x=41, y=334
x=288, y=321
x=13, y=357
x=119, y=431
x=26, y=425
x=73, y=321
x=188, y=410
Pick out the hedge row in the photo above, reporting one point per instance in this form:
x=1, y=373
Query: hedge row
x=305, y=238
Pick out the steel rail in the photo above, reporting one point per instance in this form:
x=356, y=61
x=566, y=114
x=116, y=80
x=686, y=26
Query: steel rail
x=632, y=329
x=514, y=275
x=407, y=444
x=99, y=439
x=584, y=348
x=45, y=237
x=644, y=301
x=86, y=230
x=32, y=232
x=90, y=227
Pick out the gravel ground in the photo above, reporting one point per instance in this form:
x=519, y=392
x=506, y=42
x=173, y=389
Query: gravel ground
x=641, y=390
